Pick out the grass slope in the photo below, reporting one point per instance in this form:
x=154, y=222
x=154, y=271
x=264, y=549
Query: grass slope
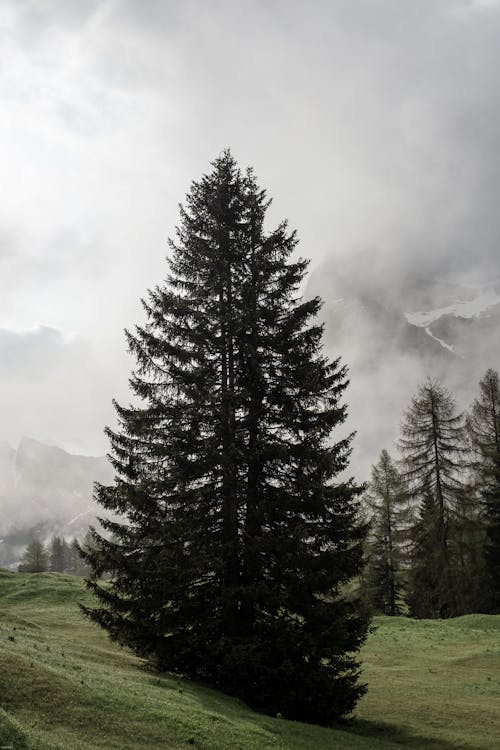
x=63, y=684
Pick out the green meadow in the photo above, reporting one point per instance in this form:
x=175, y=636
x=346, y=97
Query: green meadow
x=64, y=684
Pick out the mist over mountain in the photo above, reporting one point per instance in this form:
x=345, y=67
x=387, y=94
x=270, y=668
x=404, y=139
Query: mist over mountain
x=375, y=128
x=394, y=326
x=43, y=491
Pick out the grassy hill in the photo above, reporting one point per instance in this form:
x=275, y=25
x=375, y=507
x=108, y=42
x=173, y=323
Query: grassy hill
x=63, y=684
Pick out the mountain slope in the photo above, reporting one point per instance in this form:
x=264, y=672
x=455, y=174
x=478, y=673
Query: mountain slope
x=45, y=490
x=394, y=330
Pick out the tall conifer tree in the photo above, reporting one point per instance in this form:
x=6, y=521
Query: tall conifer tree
x=35, y=558
x=238, y=538
x=483, y=422
x=433, y=448
x=58, y=554
x=491, y=500
x=387, y=499
x=428, y=579
x=484, y=428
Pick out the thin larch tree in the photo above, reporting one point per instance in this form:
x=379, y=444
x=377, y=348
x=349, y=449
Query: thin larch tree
x=433, y=447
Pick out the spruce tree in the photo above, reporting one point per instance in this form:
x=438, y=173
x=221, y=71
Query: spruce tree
x=484, y=429
x=73, y=556
x=491, y=500
x=238, y=535
x=467, y=542
x=35, y=558
x=483, y=422
x=433, y=447
x=427, y=576
x=58, y=554
x=76, y=563
x=387, y=500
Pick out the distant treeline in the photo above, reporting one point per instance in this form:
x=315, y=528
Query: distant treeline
x=58, y=556
x=433, y=549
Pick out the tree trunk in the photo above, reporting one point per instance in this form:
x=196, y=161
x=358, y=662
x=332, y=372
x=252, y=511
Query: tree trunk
x=231, y=572
x=253, y=522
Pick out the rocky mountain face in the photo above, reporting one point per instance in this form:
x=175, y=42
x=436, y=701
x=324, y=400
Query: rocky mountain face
x=393, y=332
x=43, y=491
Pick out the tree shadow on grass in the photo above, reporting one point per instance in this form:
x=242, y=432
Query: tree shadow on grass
x=381, y=734
x=380, y=731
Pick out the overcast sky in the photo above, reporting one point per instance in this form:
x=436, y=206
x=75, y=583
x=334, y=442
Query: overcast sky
x=372, y=123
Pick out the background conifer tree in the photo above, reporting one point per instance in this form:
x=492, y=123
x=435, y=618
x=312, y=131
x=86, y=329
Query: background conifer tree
x=73, y=556
x=467, y=543
x=387, y=500
x=433, y=447
x=484, y=429
x=35, y=558
x=427, y=578
x=238, y=537
x=58, y=554
x=483, y=422
x=491, y=500
x=76, y=564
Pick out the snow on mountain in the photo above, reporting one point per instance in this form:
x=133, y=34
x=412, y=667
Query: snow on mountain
x=485, y=299
x=393, y=330
x=442, y=343
x=476, y=302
